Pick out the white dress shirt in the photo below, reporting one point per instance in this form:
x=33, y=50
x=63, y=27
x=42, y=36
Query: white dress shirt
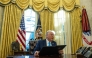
x=48, y=43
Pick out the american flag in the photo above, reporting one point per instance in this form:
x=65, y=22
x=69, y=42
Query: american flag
x=21, y=36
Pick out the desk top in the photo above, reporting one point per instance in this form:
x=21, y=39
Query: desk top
x=32, y=56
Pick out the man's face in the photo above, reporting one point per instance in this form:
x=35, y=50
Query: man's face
x=50, y=36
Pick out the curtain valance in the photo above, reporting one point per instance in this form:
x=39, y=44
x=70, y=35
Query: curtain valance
x=38, y=5
x=5, y=1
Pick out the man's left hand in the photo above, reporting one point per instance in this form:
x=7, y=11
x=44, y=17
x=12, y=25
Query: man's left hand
x=61, y=52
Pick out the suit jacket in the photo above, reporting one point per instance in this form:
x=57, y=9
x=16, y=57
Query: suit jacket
x=42, y=43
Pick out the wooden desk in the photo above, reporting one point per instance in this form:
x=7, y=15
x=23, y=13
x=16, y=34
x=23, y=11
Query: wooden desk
x=31, y=56
x=21, y=53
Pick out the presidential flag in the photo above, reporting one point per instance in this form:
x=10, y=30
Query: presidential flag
x=38, y=34
x=21, y=36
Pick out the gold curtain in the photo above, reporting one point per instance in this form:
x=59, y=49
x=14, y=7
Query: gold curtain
x=46, y=18
x=54, y=5
x=69, y=5
x=39, y=5
x=1, y=19
x=76, y=29
x=5, y=1
x=11, y=22
x=23, y=4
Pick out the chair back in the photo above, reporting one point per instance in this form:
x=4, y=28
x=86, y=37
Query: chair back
x=32, y=44
x=15, y=46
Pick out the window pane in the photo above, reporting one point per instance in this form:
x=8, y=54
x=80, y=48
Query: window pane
x=30, y=20
x=59, y=19
x=30, y=25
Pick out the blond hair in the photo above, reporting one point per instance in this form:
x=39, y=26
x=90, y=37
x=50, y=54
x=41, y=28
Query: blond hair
x=50, y=31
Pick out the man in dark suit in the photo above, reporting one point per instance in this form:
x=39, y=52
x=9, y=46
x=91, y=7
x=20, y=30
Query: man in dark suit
x=47, y=42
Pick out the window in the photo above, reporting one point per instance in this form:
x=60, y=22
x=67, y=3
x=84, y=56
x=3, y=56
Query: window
x=63, y=29
x=30, y=18
x=59, y=21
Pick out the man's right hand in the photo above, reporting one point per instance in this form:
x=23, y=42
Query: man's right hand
x=36, y=54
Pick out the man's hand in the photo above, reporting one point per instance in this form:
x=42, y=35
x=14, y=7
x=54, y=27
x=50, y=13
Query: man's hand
x=61, y=52
x=36, y=54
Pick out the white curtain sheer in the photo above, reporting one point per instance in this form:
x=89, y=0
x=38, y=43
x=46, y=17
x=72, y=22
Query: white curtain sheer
x=62, y=29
